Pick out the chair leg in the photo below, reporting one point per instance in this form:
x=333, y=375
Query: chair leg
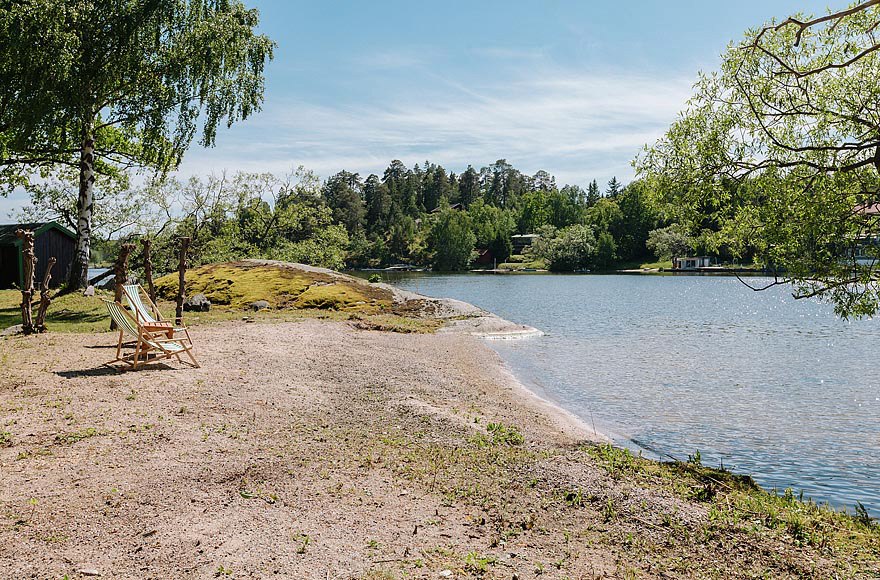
x=192, y=358
x=119, y=347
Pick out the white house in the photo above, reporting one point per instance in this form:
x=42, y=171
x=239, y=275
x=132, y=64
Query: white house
x=691, y=263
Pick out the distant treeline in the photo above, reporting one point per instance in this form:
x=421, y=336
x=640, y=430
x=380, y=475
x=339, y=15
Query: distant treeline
x=423, y=216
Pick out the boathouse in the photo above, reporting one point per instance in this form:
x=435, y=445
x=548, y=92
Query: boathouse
x=50, y=239
x=691, y=263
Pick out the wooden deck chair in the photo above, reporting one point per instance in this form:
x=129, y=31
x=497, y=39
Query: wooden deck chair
x=150, y=317
x=149, y=346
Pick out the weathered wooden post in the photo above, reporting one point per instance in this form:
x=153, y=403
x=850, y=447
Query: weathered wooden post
x=29, y=265
x=45, y=299
x=148, y=268
x=120, y=269
x=181, y=282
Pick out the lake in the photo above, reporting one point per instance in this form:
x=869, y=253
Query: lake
x=670, y=365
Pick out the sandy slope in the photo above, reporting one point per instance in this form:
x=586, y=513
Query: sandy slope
x=314, y=450
x=160, y=490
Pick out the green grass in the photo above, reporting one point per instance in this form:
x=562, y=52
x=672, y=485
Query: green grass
x=516, y=266
x=640, y=265
x=68, y=313
x=238, y=284
x=232, y=287
x=736, y=502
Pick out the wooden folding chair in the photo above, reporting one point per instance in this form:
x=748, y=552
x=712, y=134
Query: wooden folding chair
x=150, y=346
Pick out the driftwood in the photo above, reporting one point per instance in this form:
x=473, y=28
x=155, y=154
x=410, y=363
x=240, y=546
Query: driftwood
x=181, y=282
x=29, y=263
x=148, y=269
x=45, y=299
x=120, y=269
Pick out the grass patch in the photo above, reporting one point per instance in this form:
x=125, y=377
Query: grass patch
x=395, y=323
x=76, y=436
x=736, y=502
x=68, y=313
x=292, y=293
x=516, y=263
x=238, y=284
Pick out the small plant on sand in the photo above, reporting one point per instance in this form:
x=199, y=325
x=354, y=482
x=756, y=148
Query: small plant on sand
x=608, y=511
x=502, y=434
x=5, y=439
x=302, y=541
x=223, y=571
x=372, y=544
x=574, y=498
x=476, y=563
x=615, y=460
x=374, y=278
x=862, y=515
x=76, y=435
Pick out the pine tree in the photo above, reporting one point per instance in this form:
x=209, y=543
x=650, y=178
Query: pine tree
x=593, y=194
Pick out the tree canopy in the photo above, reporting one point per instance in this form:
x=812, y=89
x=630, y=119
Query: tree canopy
x=104, y=86
x=778, y=153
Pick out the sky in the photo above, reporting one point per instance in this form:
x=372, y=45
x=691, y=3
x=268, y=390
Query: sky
x=572, y=87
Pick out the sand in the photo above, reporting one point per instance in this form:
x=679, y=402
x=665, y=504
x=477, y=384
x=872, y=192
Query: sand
x=312, y=449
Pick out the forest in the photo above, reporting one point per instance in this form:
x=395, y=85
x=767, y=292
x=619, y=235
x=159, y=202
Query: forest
x=424, y=216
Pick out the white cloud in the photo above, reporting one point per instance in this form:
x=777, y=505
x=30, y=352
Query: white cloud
x=576, y=126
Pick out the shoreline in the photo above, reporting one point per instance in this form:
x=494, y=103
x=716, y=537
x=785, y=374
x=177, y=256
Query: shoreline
x=313, y=449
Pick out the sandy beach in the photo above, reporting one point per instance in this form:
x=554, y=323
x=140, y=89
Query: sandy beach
x=313, y=449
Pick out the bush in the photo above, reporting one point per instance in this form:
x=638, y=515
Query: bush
x=573, y=248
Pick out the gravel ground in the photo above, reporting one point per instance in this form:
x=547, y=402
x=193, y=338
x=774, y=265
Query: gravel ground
x=314, y=450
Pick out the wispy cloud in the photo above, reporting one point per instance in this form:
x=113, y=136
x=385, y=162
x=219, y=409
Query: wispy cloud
x=575, y=125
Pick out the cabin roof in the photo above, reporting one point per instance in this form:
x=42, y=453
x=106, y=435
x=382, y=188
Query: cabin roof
x=7, y=231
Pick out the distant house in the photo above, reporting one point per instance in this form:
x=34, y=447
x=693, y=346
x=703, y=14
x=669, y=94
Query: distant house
x=484, y=257
x=454, y=206
x=691, y=263
x=50, y=239
x=522, y=241
x=865, y=250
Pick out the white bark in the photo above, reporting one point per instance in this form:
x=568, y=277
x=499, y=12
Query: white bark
x=79, y=276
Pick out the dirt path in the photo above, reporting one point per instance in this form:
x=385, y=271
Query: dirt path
x=314, y=450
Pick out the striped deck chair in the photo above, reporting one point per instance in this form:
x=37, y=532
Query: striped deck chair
x=149, y=346
x=150, y=317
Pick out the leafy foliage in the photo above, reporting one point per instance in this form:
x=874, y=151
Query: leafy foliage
x=778, y=154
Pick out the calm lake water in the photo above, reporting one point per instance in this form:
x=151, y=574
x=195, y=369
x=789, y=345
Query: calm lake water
x=770, y=386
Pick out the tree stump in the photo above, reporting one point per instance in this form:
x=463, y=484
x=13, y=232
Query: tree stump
x=148, y=269
x=181, y=280
x=45, y=299
x=29, y=266
x=120, y=269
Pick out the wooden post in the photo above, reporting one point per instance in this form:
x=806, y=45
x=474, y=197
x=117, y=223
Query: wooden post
x=148, y=269
x=29, y=266
x=181, y=283
x=120, y=269
x=45, y=300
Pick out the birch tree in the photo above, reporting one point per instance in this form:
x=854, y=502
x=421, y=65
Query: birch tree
x=102, y=86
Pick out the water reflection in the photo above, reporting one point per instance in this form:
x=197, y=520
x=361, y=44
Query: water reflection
x=771, y=386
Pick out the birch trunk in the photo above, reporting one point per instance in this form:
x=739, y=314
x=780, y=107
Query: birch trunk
x=79, y=274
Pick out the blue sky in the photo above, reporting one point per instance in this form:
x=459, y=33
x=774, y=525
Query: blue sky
x=572, y=87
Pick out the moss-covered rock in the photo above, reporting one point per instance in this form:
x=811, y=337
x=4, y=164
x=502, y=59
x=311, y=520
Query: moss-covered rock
x=282, y=285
